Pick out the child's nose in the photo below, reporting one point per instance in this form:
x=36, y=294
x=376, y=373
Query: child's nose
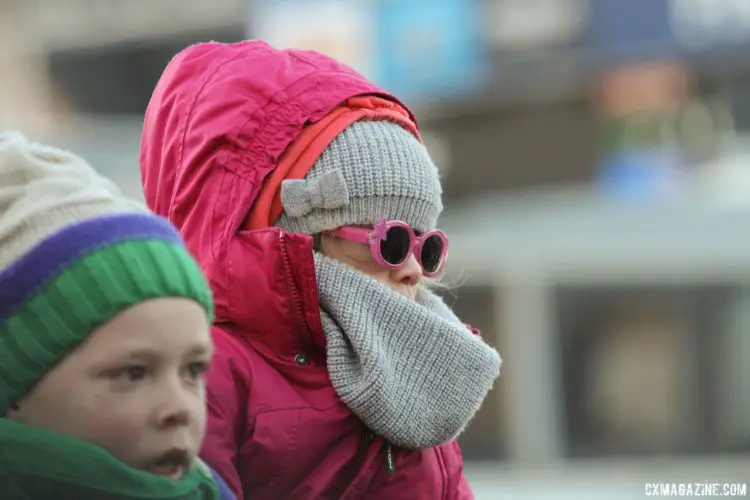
x=409, y=274
x=176, y=409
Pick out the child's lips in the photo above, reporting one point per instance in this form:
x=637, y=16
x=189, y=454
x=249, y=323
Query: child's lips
x=173, y=464
x=169, y=471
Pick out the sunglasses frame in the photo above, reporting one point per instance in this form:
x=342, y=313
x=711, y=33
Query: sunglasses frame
x=379, y=233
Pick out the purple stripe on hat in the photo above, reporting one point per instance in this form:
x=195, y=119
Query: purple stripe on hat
x=46, y=260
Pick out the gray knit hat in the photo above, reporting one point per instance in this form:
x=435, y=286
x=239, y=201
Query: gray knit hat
x=373, y=169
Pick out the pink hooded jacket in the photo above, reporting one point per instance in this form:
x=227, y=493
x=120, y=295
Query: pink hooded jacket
x=218, y=122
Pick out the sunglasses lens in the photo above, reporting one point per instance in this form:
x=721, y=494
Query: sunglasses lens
x=395, y=247
x=432, y=253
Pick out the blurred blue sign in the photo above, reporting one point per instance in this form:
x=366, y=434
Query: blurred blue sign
x=646, y=28
x=641, y=175
x=428, y=48
x=623, y=28
x=416, y=49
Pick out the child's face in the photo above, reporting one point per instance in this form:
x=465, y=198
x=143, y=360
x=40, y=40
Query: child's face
x=358, y=255
x=134, y=387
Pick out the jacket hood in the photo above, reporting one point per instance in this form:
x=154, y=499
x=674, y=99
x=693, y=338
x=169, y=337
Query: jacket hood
x=216, y=130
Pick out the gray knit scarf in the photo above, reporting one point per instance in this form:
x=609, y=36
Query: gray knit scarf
x=410, y=370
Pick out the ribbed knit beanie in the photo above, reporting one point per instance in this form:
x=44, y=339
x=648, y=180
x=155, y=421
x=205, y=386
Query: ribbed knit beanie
x=373, y=169
x=74, y=252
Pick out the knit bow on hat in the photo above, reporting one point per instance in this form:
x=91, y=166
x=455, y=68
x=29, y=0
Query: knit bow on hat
x=328, y=192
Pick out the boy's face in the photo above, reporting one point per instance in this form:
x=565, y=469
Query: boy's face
x=134, y=387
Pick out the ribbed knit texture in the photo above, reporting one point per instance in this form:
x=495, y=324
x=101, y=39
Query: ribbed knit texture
x=42, y=465
x=74, y=252
x=372, y=169
x=410, y=370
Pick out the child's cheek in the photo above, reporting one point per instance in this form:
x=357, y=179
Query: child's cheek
x=121, y=431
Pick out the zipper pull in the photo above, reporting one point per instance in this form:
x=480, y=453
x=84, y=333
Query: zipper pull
x=389, y=464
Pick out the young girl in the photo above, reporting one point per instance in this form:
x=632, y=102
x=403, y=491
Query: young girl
x=104, y=337
x=312, y=205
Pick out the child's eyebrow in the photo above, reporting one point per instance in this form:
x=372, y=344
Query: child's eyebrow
x=200, y=349
x=151, y=354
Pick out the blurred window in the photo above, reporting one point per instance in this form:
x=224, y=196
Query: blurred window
x=119, y=79
x=655, y=371
x=483, y=439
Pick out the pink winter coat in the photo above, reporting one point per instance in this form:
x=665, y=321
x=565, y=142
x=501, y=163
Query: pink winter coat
x=218, y=121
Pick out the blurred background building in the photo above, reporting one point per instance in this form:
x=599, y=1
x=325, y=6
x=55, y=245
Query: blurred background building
x=596, y=160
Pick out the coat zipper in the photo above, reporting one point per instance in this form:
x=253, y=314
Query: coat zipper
x=443, y=471
x=390, y=465
x=296, y=297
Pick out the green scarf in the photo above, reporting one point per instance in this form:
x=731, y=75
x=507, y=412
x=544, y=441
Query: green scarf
x=36, y=464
